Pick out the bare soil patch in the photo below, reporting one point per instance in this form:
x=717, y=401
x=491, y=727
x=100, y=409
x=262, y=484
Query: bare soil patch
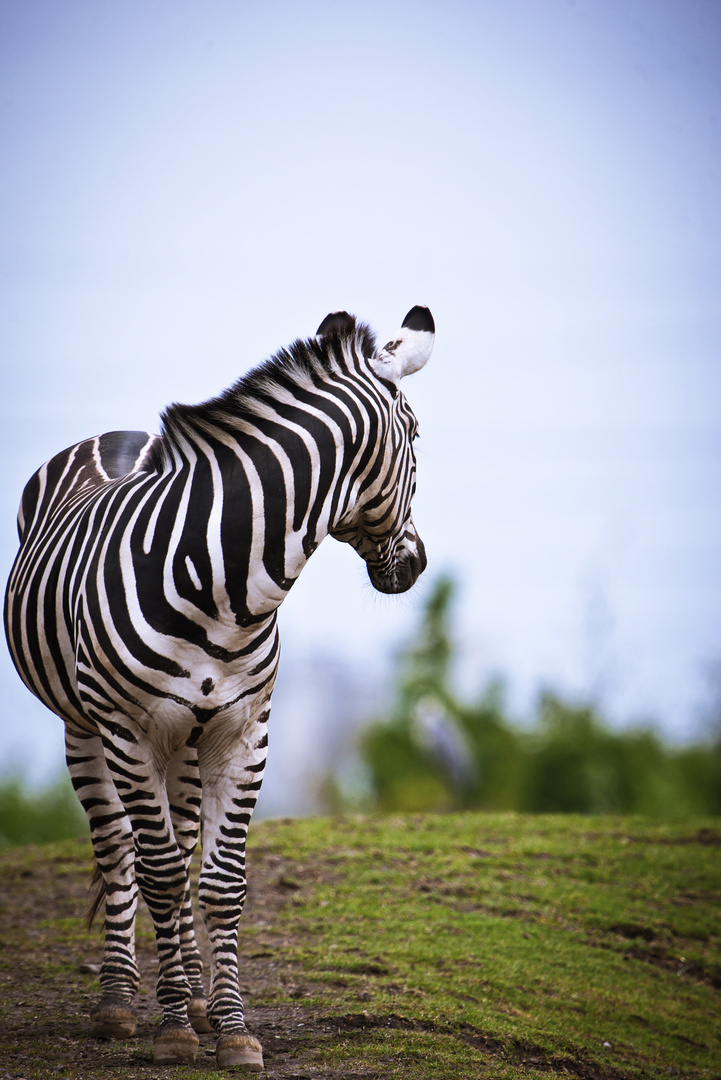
x=45, y=995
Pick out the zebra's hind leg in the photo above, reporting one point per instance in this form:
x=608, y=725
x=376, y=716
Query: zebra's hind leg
x=113, y=1017
x=183, y=784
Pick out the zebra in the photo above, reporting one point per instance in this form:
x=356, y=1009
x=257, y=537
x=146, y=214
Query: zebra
x=142, y=607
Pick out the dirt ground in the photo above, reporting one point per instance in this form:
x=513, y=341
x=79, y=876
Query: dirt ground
x=45, y=995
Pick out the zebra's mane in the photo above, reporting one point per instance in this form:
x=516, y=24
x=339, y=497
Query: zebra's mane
x=305, y=362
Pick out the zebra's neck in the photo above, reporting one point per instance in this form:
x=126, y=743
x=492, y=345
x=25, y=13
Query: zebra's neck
x=268, y=478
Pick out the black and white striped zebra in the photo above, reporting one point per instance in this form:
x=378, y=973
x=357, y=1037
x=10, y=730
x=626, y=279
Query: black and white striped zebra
x=142, y=610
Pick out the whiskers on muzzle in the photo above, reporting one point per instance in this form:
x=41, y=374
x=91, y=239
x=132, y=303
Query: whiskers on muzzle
x=403, y=572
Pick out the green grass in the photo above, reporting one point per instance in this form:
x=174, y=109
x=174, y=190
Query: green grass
x=549, y=936
x=443, y=947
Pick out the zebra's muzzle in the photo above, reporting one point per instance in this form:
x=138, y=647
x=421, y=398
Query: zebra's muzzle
x=404, y=575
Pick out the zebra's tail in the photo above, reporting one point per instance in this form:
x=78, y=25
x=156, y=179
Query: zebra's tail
x=96, y=892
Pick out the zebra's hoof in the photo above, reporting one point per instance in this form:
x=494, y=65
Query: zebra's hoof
x=112, y=1018
x=198, y=1015
x=175, y=1045
x=239, y=1052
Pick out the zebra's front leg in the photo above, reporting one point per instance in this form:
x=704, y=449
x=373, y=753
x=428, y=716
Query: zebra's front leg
x=161, y=873
x=113, y=1017
x=183, y=784
x=230, y=791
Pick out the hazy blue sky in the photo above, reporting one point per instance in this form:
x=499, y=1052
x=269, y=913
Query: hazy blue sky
x=187, y=186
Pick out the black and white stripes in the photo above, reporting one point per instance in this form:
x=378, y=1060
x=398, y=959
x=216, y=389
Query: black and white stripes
x=142, y=610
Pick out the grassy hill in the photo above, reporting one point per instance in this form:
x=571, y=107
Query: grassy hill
x=429, y=946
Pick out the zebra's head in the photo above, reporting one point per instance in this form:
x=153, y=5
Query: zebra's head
x=377, y=522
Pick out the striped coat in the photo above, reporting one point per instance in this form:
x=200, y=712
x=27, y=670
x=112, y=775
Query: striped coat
x=142, y=610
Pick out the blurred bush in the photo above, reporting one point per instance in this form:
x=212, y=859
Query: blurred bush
x=436, y=752
x=29, y=816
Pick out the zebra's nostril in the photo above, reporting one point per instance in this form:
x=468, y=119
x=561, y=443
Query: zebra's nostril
x=422, y=555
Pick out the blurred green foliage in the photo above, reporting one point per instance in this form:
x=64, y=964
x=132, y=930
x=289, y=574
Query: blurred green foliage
x=29, y=816
x=436, y=752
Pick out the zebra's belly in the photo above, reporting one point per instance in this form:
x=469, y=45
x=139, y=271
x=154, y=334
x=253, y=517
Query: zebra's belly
x=183, y=688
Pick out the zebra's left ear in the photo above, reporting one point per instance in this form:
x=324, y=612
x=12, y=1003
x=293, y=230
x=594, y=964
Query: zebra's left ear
x=409, y=350
x=338, y=322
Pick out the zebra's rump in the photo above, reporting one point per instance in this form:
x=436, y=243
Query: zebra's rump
x=82, y=467
x=52, y=521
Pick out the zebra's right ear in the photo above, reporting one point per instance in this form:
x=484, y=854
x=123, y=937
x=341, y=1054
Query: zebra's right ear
x=338, y=322
x=409, y=350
